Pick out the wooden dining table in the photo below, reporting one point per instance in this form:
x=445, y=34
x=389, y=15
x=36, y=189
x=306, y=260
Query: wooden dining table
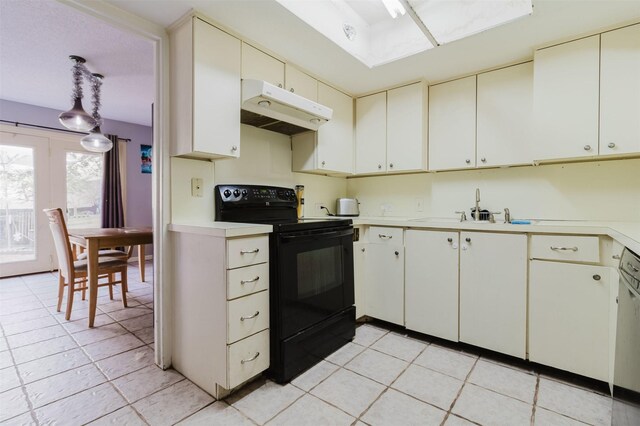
x=93, y=239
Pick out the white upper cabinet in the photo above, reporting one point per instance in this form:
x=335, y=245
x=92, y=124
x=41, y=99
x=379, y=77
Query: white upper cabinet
x=371, y=133
x=620, y=91
x=406, y=128
x=300, y=83
x=390, y=131
x=566, y=81
x=330, y=149
x=205, y=91
x=505, y=116
x=452, y=124
x=257, y=65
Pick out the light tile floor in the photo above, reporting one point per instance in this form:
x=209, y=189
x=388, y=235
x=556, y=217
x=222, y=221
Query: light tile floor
x=54, y=371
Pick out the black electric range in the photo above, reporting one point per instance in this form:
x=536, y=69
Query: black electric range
x=311, y=283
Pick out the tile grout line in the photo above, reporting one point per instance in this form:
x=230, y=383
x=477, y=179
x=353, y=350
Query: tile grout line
x=535, y=399
x=464, y=382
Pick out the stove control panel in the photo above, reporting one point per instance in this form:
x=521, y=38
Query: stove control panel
x=247, y=194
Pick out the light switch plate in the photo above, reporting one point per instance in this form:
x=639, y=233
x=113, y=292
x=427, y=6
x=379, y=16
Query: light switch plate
x=196, y=187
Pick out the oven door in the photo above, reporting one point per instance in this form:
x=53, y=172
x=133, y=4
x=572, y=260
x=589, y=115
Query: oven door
x=314, y=276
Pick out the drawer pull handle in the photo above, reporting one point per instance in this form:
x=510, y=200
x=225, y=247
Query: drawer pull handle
x=616, y=257
x=249, y=251
x=564, y=248
x=243, y=282
x=633, y=268
x=250, y=316
x=253, y=358
x=385, y=237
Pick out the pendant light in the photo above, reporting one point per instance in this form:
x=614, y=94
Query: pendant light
x=95, y=141
x=77, y=118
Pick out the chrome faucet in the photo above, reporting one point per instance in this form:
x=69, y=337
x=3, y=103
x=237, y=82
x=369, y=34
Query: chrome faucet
x=477, y=209
x=507, y=215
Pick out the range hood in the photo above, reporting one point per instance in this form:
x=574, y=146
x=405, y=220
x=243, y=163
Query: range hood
x=273, y=108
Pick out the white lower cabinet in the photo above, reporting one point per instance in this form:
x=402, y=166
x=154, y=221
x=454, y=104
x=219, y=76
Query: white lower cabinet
x=359, y=250
x=220, y=309
x=493, y=284
x=431, y=282
x=384, y=282
x=569, y=317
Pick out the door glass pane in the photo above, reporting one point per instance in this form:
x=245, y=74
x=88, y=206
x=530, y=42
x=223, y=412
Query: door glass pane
x=84, y=187
x=17, y=204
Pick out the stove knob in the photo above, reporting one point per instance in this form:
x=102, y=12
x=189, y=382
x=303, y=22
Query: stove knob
x=244, y=192
x=227, y=193
x=236, y=193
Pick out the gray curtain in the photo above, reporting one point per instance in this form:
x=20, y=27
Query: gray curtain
x=112, y=211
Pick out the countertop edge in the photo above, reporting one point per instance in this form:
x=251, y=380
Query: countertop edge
x=221, y=229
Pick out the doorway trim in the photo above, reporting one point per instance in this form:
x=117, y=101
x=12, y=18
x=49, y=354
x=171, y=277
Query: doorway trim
x=161, y=173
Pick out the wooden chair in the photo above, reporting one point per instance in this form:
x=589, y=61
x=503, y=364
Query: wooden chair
x=74, y=272
x=113, y=252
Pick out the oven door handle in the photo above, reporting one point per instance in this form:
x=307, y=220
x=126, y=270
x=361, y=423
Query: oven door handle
x=317, y=236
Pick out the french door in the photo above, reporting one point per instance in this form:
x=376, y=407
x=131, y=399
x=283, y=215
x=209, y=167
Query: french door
x=40, y=170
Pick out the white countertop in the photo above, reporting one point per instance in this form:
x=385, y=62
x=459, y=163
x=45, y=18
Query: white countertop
x=221, y=229
x=626, y=233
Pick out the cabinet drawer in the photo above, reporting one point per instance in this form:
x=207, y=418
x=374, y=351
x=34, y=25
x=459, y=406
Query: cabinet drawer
x=247, y=251
x=249, y=280
x=565, y=247
x=247, y=358
x=383, y=235
x=247, y=315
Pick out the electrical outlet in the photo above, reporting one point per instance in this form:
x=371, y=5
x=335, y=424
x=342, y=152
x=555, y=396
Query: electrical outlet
x=318, y=206
x=419, y=204
x=196, y=187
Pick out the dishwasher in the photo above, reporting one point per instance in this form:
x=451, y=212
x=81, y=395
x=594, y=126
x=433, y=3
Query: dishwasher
x=626, y=378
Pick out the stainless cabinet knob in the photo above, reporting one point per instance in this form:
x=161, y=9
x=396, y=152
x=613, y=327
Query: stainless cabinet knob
x=379, y=166
x=280, y=85
x=587, y=147
x=450, y=240
x=467, y=161
x=323, y=163
x=234, y=148
x=291, y=90
x=484, y=160
x=362, y=249
x=397, y=253
x=391, y=165
x=468, y=240
x=596, y=277
x=612, y=145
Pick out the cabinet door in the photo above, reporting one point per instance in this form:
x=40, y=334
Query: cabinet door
x=620, y=91
x=216, y=91
x=300, y=83
x=505, y=116
x=335, y=138
x=359, y=268
x=406, y=147
x=371, y=133
x=384, y=285
x=452, y=124
x=569, y=317
x=431, y=283
x=493, y=300
x=565, y=91
x=258, y=65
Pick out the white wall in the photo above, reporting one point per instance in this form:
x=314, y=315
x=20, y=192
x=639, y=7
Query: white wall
x=605, y=190
x=265, y=159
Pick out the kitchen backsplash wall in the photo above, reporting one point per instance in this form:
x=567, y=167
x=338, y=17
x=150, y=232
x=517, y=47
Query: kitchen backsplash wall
x=606, y=190
x=265, y=158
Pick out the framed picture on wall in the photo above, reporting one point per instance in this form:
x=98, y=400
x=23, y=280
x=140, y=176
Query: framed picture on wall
x=145, y=158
